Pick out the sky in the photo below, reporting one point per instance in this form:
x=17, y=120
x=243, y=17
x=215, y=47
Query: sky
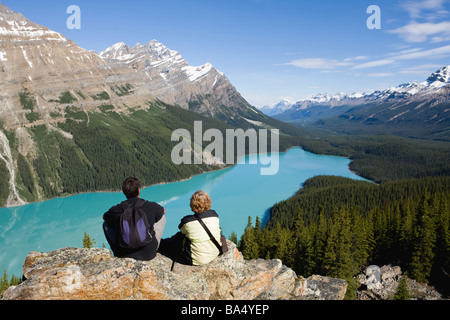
x=272, y=49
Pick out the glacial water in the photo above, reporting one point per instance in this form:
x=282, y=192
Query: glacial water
x=237, y=193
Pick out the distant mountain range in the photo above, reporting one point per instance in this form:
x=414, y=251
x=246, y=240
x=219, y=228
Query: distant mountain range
x=398, y=109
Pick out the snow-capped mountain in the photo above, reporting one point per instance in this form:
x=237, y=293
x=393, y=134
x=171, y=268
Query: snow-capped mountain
x=433, y=85
x=161, y=57
x=48, y=65
x=425, y=104
x=439, y=78
x=277, y=108
x=202, y=89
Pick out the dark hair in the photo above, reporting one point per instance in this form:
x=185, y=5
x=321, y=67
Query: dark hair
x=131, y=187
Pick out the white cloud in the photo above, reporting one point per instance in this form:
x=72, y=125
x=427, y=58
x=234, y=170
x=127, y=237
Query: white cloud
x=358, y=58
x=326, y=65
x=440, y=52
x=395, y=58
x=380, y=74
x=423, y=69
x=411, y=54
x=405, y=51
x=372, y=64
x=318, y=63
x=421, y=32
x=428, y=9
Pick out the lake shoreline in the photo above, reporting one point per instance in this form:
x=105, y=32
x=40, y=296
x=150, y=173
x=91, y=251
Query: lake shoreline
x=238, y=192
x=164, y=183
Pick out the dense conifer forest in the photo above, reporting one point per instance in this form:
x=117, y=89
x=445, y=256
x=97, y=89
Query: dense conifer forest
x=335, y=226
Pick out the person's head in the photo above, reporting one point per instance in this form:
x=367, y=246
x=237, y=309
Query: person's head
x=200, y=202
x=131, y=188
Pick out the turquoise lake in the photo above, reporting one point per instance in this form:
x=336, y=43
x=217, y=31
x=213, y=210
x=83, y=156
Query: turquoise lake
x=237, y=193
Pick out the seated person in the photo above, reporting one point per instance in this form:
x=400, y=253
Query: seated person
x=192, y=245
x=155, y=217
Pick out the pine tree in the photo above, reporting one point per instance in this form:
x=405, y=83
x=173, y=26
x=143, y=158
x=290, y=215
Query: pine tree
x=395, y=230
x=441, y=265
x=15, y=280
x=302, y=254
x=406, y=239
x=337, y=258
x=248, y=245
x=360, y=240
x=281, y=241
x=381, y=233
x=88, y=243
x=233, y=237
x=320, y=240
x=402, y=292
x=425, y=237
x=258, y=231
x=4, y=283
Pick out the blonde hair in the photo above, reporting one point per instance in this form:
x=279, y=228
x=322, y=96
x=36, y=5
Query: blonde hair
x=200, y=202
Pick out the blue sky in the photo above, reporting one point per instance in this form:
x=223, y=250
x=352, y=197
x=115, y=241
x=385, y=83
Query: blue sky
x=271, y=49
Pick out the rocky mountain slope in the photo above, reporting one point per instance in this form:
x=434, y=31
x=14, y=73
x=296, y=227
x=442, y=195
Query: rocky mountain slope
x=49, y=70
x=94, y=274
x=68, y=116
x=402, y=109
x=202, y=89
x=56, y=72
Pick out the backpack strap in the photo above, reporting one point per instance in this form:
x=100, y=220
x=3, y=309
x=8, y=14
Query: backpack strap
x=125, y=205
x=140, y=203
x=210, y=234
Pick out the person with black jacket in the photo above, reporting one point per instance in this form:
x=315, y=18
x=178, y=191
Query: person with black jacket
x=155, y=217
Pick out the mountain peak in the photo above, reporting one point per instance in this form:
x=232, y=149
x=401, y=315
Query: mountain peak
x=121, y=51
x=5, y=9
x=14, y=26
x=277, y=108
x=440, y=78
x=116, y=51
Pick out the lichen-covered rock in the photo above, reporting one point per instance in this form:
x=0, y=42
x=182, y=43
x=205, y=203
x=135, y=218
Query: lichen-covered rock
x=382, y=283
x=94, y=274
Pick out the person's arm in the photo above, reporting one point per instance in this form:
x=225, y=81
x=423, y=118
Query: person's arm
x=159, y=211
x=108, y=217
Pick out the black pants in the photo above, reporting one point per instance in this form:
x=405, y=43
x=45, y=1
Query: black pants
x=176, y=248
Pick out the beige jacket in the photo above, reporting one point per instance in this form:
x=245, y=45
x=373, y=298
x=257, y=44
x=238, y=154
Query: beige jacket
x=202, y=249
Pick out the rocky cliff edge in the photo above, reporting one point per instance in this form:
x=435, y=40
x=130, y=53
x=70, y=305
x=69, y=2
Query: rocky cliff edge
x=94, y=274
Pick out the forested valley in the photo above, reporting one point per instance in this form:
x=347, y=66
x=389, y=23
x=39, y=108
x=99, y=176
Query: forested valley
x=332, y=226
x=335, y=226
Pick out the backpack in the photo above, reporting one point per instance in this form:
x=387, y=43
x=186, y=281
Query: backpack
x=134, y=227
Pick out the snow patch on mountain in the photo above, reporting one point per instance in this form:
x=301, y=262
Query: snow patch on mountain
x=437, y=81
x=196, y=73
x=3, y=56
x=277, y=108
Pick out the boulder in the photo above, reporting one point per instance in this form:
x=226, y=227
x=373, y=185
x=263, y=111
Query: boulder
x=94, y=274
x=382, y=283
